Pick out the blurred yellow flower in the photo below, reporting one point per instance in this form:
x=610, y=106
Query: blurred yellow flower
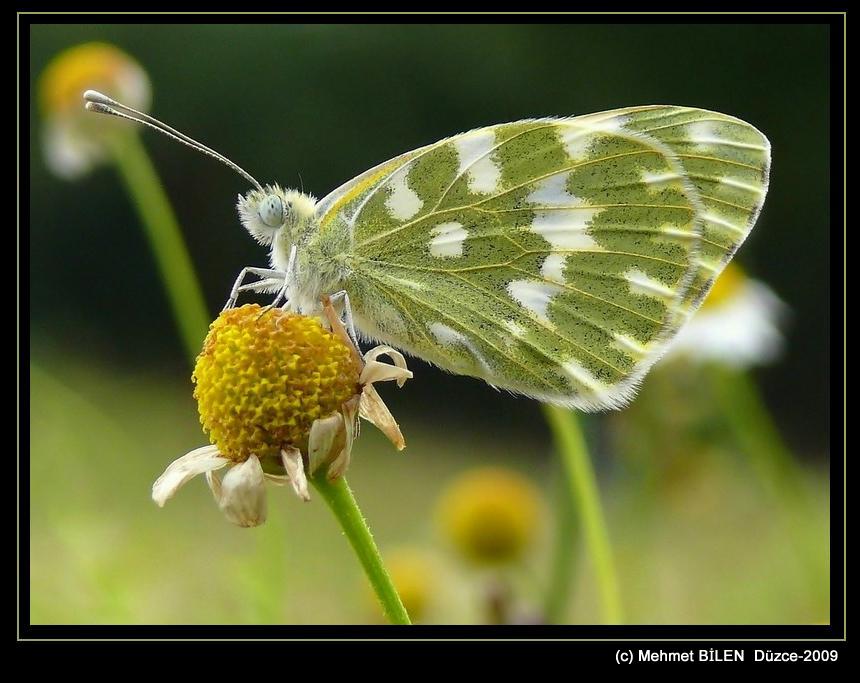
x=415, y=577
x=738, y=324
x=74, y=141
x=491, y=515
x=279, y=395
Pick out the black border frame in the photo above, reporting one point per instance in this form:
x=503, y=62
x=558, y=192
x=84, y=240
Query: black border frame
x=601, y=640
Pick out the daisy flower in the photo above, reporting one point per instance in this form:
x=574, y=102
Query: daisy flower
x=490, y=515
x=737, y=325
x=74, y=141
x=279, y=396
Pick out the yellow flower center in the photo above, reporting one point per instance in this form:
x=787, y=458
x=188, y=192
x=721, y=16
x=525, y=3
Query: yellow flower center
x=491, y=515
x=728, y=284
x=263, y=378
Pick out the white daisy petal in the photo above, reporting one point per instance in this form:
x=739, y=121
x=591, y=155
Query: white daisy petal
x=374, y=371
x=323, y=439
x=214, y=482
x=242, y=496
x=350, y=413
x=295, y=467
x=741, y=332
x=277, y=479
x=183, y=469
x=372, y=409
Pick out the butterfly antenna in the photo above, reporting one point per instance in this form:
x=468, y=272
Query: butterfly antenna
x=102, y=104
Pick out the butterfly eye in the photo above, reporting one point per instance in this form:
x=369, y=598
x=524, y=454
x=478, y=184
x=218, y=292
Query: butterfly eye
x=272, y=211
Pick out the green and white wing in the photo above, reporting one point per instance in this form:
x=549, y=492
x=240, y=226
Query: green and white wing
x=553, y=258
x=728, y=162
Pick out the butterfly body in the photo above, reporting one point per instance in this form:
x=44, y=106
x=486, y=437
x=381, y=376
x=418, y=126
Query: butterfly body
x=554, y=258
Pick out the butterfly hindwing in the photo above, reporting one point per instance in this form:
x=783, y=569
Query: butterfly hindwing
x=552, y=257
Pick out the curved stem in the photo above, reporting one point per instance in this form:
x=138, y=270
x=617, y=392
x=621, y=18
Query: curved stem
x=585, y=498
x=165, y=238
x=777, y=468
x=563, y=553
x=339, y=498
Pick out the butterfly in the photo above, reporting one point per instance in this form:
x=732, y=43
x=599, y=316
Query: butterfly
x=555, y=258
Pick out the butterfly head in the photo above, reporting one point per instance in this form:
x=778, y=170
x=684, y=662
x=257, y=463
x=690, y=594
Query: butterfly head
x=273, y=213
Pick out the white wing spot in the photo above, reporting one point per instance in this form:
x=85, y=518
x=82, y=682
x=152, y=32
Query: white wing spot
x=731, y=182
x=449, y=336
x=643, y=284
x=630, y=345
x=722, y=222
x=566, y=229
x=612, y=123
x=552, y=191
x=706, y=133
x=553, y=268
x=578, y=373
x=517, y=333
x=403, y=202
x=533, y=295
x=577, y=141
x=702, y=133
x=707, y=265
x=515, y=328
x=445, y=334
x=660, y=181
x=447, y=240
x=475, y=153
x=672, y=230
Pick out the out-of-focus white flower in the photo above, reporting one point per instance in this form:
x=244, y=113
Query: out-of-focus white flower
x=738, y=324
x=74, y=141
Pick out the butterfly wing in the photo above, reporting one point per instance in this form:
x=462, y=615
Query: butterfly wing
x=728, y=163
x=554, y=257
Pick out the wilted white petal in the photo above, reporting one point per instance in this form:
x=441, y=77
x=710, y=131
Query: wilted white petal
x=374, y=371
x=243, y=494
x=214, y=482
x=340, y=464
x=323, y=439
x=292, y=459
x=196, y=462
x=373, y=409
x=277, y=479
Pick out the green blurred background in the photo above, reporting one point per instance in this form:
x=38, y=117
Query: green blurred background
x=698, y=536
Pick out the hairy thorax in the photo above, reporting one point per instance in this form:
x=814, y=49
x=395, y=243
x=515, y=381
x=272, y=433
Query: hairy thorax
x=321, y=266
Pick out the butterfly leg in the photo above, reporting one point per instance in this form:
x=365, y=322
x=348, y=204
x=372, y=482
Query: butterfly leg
x=269, y=276
x=347, y=314
x=272, y=284
x=283, y=293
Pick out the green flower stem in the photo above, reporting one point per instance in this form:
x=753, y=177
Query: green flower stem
x=585, y=498
x=189, y=309
x=342, y=503
x=756, y=433
x=776, y=467
x=165, y=238
x=562, y=569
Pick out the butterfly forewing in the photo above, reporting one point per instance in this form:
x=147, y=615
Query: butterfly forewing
x=554, y=258
x=728, y=162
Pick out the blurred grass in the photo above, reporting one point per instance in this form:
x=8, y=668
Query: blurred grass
x=710, y=550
